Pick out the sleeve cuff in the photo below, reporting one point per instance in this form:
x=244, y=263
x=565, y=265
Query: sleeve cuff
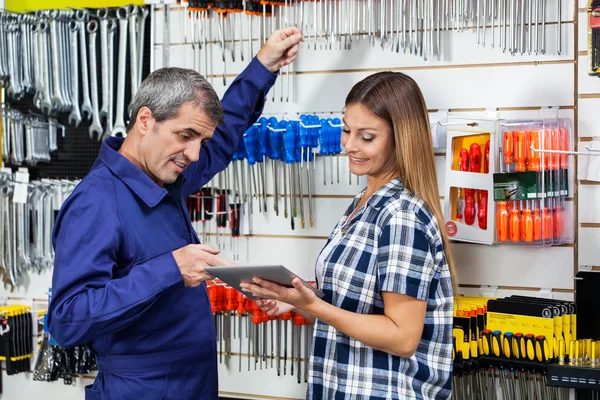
x=169, y=275
x=259, y=75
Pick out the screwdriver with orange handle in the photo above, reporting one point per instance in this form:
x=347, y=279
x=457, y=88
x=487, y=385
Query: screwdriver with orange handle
x=520, y=138
x=527, y=224
x=533, y=157
x=564, y=146
x=557, y=227
x=502, y=221
x=537, y=224
x=515, y=223
x=285, y=318
x=548, y=221
x=547, y=146
x=556, y=145
x=507, y=149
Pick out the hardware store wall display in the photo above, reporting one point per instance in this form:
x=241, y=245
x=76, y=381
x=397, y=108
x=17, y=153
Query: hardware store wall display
x=469, y=80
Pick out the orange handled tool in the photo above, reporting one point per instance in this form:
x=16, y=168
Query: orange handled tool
x=508, y=147
x=482, y=207
x=556, y=145
x=520, y=150
x=527, y=225
x=464, y=160
x=469, y=206
x=515, y=224
x=533, y=156
x=548, y=233
x=475, y=158
x=547, y=146
x=537, y=224
x=558, y=222
x=502, y=221
x=563, y=139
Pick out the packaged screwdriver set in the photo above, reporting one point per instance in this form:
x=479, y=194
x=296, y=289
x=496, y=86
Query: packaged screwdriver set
x=531, y=184
x=469, y=167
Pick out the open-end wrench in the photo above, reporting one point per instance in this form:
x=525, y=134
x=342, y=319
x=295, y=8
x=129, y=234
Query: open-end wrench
x=141, y=33
x=112, y=26
x=119, y=127
x=543, y=12
x=58, y=101
x=86, y=105
x=103, y=15
x=75, y=115
x=46, y=101
x=133, y=53
x=96, y=126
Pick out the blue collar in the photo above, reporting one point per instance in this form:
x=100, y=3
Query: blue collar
x=136, y=179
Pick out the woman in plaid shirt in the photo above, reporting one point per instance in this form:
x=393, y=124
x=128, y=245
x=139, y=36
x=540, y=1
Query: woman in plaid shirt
x=384, y=328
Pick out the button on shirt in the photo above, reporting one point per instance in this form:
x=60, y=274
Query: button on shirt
x=116, y=285
x=393, y=244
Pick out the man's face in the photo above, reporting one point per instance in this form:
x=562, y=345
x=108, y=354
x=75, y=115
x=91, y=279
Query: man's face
x=168, y=148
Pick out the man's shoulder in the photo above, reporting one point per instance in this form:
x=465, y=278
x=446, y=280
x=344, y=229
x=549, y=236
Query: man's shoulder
x=97, y=185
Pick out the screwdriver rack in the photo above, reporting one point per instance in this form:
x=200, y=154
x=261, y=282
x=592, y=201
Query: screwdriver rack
x=415, y=26
x=282, y=343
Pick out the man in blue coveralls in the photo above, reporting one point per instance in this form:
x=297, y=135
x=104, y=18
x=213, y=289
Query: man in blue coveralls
x=129, y=275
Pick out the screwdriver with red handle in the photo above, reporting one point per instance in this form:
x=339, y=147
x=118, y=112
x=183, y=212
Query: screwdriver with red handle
x=482, y=207
x=486, y=158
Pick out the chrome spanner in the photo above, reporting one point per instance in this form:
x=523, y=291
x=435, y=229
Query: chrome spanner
x=112, y=26
x=96, y=126
x=86, y=105
x=103, y=15
x=141, y=34
x=119, y=127
x=133, y=53
x=75, y=115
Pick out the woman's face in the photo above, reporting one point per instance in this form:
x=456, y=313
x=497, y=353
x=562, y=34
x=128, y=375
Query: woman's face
x=369, y=143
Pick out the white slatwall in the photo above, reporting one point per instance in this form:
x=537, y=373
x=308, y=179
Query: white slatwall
x=468, y=81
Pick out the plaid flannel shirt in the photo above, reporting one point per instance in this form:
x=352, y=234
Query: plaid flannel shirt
x=392, y=244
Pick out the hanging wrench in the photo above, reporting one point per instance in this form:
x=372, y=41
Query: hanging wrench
x=141, y=34
x=112, y=26
x=96, y=126
x=119, y=127
x=133, y=54
x=103, y=15
x=46, y=102
x=75, y=115
x=86, y=106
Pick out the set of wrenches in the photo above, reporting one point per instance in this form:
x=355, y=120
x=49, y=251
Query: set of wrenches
x=66, y=60
x=28, y=139
x=27, y=210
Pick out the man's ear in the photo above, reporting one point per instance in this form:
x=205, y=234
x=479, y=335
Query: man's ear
x=145, y=120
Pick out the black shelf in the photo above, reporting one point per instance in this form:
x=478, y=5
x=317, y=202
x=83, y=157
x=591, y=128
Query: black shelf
x=573, y=377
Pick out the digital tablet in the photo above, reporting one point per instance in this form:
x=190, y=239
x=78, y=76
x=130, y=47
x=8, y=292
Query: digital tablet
x=233, y=276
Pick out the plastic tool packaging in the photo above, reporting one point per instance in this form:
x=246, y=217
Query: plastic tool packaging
x=509, y=182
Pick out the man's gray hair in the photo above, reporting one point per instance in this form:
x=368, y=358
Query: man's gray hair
x=165, y=90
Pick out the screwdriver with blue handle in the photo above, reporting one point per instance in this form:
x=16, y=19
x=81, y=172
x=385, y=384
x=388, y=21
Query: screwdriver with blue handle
x=275, y=139
x=297, y=168
x=336, y=141
x=324, y=146
x=250, y=139
x=261, y=159
x=289, y=145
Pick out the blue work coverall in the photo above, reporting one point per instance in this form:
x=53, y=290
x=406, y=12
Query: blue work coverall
x=116, y=285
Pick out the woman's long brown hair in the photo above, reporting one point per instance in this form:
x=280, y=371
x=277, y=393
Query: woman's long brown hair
x=397, y=99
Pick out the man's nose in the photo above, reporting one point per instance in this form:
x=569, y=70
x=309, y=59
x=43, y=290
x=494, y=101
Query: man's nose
x=192, y=150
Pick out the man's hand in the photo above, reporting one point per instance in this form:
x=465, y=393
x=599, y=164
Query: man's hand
x=192, y=259
x=280, y=49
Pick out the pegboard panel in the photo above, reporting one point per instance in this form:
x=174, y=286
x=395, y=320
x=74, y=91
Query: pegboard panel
x=76, y=150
